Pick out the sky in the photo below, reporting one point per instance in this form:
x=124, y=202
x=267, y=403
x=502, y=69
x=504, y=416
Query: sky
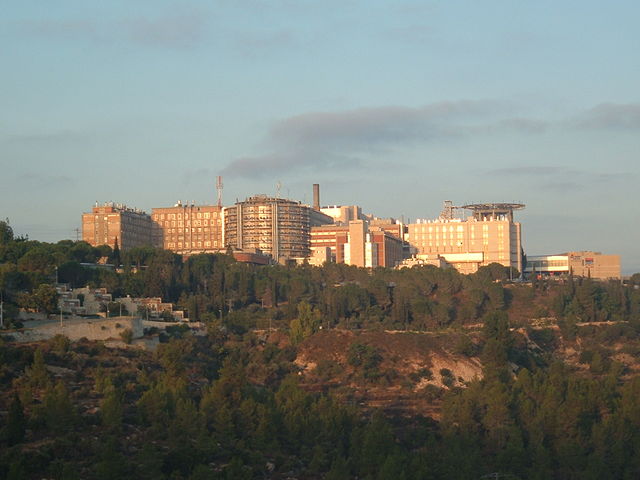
x=395, y=106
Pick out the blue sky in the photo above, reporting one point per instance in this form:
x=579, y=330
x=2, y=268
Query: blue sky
x=392, y=105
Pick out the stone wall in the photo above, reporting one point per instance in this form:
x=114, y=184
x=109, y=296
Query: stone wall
x=75, y=329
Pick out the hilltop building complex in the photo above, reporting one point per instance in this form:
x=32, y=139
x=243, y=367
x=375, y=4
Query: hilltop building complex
x=264, y=229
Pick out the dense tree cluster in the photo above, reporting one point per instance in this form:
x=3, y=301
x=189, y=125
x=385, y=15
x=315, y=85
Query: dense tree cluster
x=209, y=407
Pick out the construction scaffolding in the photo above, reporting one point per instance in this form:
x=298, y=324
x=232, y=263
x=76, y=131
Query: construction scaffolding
x=276, y=226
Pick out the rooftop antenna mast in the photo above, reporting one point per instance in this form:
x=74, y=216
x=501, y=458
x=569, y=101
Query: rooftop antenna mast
x=219, y=189
x=278, y=187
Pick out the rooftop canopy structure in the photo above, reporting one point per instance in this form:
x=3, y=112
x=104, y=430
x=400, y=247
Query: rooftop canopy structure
x=492, y=211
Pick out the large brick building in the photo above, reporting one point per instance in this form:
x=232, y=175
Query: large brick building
x=188, y=229
x=113, y=223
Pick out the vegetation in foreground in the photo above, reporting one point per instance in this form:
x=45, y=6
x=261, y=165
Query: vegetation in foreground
x=556, y=397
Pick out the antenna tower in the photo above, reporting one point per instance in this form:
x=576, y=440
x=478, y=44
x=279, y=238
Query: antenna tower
x=448, y=210
x=219, y=189
x=278, y=187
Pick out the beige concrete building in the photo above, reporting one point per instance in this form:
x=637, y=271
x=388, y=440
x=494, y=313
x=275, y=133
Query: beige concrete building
x=359, y=245
x=489, y=235
x=319, y=256
x=422, y=260
x=188, y=229
x=583, y=264
x=343, y=214
x=113, y=223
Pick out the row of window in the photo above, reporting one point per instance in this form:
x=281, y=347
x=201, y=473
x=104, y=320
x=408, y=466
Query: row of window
x=187, y=223
x=199, y=244
x=459, y=228
x=185, y=216
x=169, y=231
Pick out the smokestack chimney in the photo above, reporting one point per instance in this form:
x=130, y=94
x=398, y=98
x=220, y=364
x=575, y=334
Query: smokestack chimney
x=316, y=197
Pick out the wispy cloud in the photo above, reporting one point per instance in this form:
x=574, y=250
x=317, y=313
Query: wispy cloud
x=253, y=44
x=611, y=116
x=41, y=180
x=412, y=33
x=44, y=139
x=559, y=178
x=528, y=170
x=179, y=28
x=270, y=164
x=63, y=29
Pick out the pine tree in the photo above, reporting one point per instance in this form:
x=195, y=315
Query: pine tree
x=16, y=422
x=115, y=256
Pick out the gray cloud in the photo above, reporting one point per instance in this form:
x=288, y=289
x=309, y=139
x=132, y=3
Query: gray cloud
x=524, y=125
x=555, y=170
x=65, y=29
x=559, y=187
x=529, y=170
x=367, y=127
x=268, y=165
x=559, y=178
x=45, y=138
x=252, y=44
x=39, y=180
x=611, y=116
x=178, y=28
x=326, y=139
x=181, y=29
x=411, y=33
